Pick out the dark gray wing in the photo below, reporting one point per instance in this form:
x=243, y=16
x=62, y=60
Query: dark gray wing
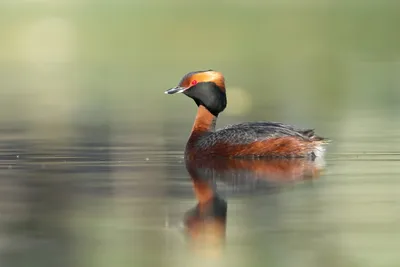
x=273, y=125
x=245, y=133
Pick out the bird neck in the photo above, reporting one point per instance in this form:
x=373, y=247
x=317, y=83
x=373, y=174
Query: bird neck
x=205, y=121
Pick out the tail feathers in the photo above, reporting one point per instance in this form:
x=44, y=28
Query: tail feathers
x=313, y=137
x=307, y=132
x=321, y=139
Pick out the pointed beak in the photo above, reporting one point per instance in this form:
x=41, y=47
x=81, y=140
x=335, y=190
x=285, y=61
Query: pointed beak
x=175, y=90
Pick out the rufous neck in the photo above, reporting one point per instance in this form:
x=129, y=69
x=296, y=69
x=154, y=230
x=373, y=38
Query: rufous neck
x=204, y=122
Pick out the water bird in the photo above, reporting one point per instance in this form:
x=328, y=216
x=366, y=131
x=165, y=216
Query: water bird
x=248, y=139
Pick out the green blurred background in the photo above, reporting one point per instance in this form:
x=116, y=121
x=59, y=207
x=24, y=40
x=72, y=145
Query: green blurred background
x=102, y=65
x=294, y=60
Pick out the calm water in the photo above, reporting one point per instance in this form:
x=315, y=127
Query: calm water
x=98, y=199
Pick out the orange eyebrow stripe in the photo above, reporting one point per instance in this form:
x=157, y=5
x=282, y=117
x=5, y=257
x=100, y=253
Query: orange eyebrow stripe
x=208, y=76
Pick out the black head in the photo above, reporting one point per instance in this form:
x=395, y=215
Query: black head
x=206, y=88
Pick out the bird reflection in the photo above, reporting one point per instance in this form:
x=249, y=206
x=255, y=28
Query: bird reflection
x=205, y=224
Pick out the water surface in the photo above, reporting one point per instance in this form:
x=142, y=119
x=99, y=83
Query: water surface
x=100, y=199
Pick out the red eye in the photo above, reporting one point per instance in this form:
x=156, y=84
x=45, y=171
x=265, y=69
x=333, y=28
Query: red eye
x=194, y=82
